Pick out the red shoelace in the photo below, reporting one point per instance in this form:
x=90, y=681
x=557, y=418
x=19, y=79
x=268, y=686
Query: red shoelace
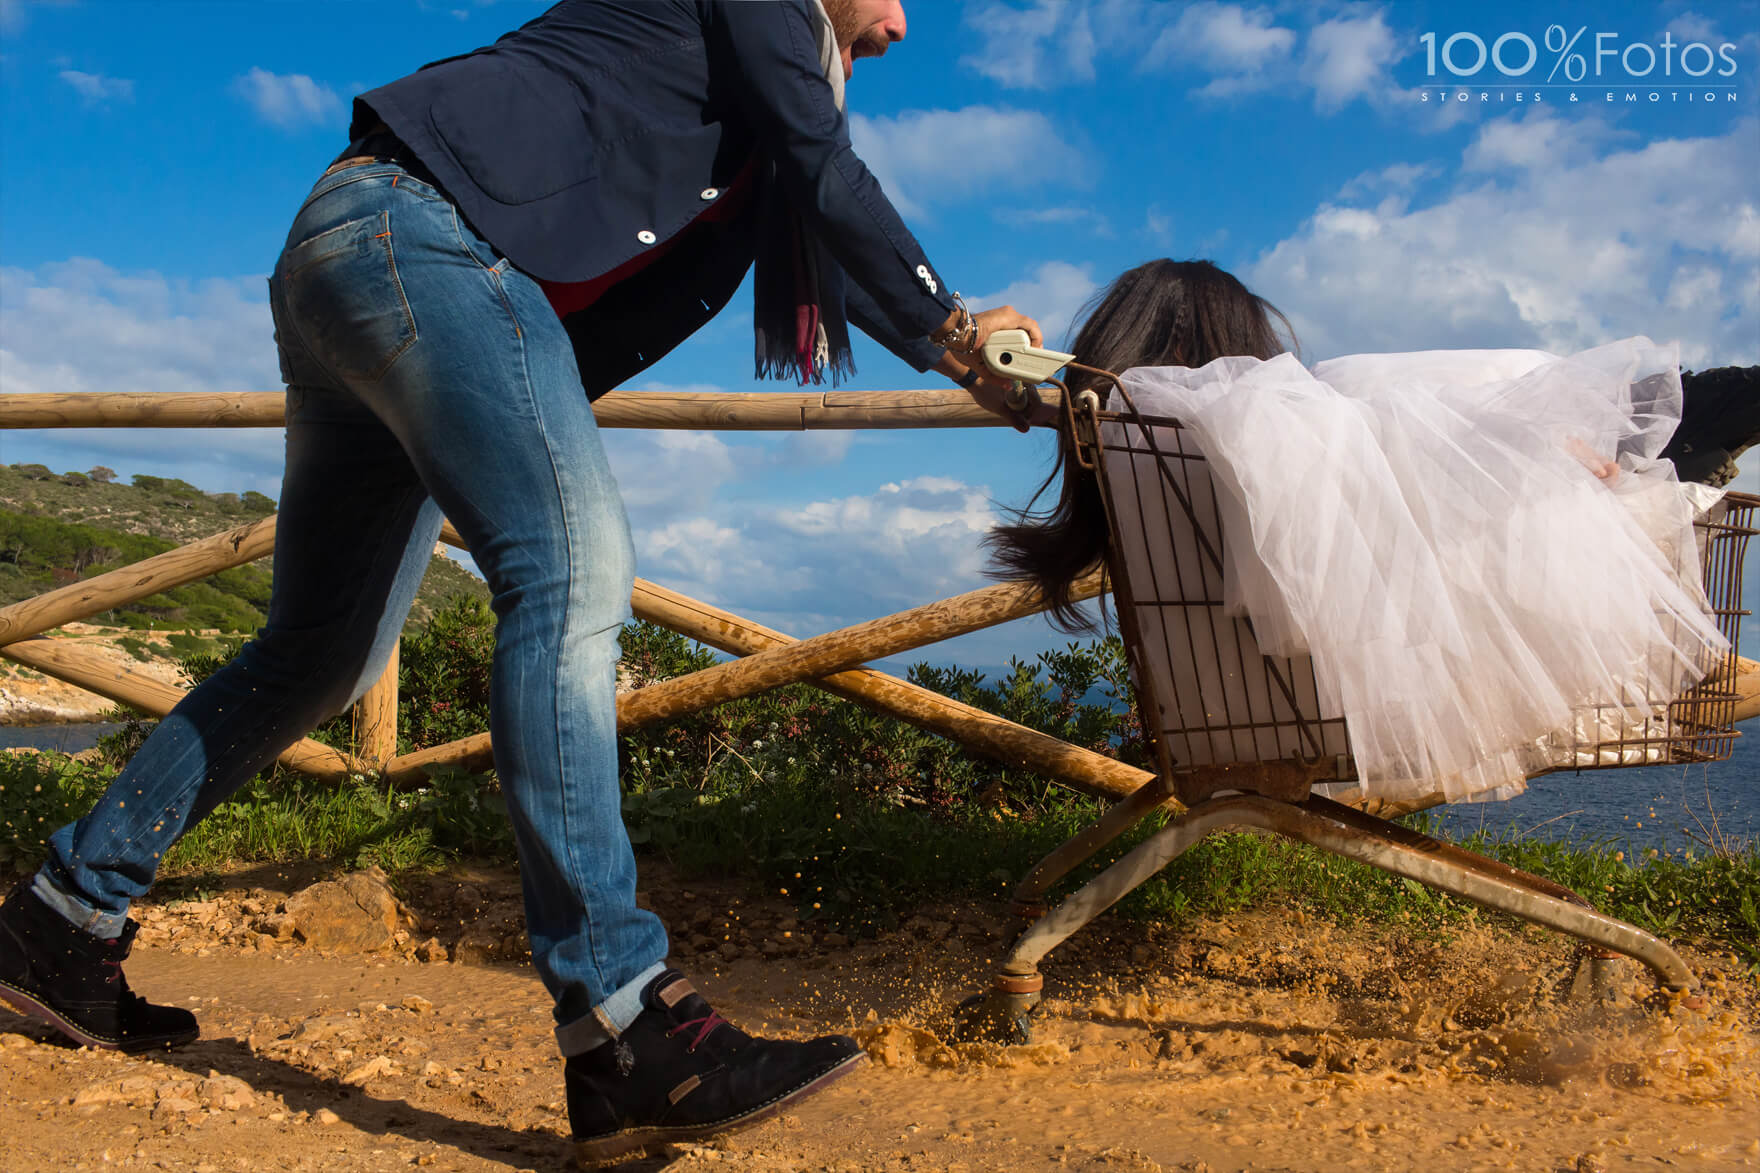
x=704, y=1025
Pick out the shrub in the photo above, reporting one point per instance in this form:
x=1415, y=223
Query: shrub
x=444, y=676
x=39, y=792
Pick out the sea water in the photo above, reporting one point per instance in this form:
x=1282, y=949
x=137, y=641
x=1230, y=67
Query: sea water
x=1670, y=808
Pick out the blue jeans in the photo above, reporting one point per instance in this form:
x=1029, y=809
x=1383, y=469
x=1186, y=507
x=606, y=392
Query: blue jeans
x=426, y=377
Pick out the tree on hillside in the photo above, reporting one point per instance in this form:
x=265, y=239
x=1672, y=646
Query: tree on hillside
x=94, y=555
x=101, y=474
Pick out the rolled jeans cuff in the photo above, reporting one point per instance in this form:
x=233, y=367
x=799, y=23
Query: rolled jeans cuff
x=105, y=925
x=609, y=1018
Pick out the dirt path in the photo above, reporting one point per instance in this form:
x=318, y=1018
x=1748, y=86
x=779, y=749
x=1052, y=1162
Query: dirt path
x=1258, y=1042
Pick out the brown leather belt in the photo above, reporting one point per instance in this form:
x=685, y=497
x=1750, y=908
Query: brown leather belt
x=380, y=145
x=352, y=161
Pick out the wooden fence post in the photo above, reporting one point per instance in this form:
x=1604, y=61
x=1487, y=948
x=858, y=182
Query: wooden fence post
x=375, y=717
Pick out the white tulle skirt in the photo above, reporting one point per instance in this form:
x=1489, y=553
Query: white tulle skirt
x=1431, y=529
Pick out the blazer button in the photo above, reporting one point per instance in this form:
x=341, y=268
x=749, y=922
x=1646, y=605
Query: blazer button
x=709, y=193
x=646, y=237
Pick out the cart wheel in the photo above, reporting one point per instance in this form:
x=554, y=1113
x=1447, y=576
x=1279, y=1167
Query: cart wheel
x=992, y=1018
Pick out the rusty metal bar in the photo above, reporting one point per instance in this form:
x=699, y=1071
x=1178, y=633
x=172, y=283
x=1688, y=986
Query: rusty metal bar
x=1120, y=817
x=1382, y=845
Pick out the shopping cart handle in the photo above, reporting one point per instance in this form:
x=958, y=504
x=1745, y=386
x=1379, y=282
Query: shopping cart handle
x=1010, y=354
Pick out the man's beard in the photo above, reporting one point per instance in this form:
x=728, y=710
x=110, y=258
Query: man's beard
x=845, y=26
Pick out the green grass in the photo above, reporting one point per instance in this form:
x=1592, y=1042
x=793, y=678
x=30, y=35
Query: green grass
x=860, y=865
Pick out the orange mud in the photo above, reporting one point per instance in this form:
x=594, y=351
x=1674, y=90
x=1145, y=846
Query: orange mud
x=1256, y=1042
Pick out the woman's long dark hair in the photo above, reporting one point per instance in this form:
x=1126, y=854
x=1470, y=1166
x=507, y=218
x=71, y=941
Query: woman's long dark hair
x=1164, y=313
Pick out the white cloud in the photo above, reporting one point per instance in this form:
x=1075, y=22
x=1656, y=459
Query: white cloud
x=667, y=471
x=1231, y=49
x=81, y=325
x=95, y=89
x=1546, y=244
x=909, y=153
x=1092, y=219
x=1691, y=26
x=1033, y=47
x=815, y=449
x=1052, y=295
x=1346, y=59
x=827, y=563
x=288, y=100
x=13, y=13
x=1394, y=178
x=1241, y=47
x=1157, y=225
x=1535, y=142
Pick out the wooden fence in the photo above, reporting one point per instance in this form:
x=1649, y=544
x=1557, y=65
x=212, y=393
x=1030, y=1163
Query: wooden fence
x=767, y=659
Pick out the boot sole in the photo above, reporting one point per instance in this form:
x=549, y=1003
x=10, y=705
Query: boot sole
x=640, y=1142
x=30, y=1007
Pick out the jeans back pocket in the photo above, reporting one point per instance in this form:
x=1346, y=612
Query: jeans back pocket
x=345, y=301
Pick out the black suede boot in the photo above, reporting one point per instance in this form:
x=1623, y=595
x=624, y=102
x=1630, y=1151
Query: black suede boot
x=53, y=971
x=681, y=1072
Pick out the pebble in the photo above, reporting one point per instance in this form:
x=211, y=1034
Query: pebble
x=326, y=1117
x=368, y=1071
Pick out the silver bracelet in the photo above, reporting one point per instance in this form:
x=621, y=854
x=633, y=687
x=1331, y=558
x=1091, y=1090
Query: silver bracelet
x=964, y=332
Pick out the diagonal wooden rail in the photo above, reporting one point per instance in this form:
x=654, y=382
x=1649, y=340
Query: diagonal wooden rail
x=778, y=659
x=786, y=661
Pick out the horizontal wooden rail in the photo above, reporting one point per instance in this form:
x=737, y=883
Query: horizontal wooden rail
x=143, y=409
x=84, y=667
x=780, y=411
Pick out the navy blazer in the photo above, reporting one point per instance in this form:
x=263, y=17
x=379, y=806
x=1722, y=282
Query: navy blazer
x=604, y=127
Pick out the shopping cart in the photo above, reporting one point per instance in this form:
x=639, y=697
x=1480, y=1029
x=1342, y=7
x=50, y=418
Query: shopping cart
x=1241, y=739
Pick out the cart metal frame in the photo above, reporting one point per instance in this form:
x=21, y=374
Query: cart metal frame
x=1275, y=794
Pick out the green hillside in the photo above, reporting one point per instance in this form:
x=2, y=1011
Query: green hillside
x=55, y=528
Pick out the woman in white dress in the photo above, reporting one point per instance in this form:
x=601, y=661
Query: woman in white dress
x=1472, y=545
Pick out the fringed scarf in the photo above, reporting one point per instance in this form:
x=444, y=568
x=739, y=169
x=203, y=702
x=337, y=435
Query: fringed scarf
x=797, y=288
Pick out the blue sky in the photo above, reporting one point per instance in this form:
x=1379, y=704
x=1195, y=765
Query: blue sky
x=153, y=153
